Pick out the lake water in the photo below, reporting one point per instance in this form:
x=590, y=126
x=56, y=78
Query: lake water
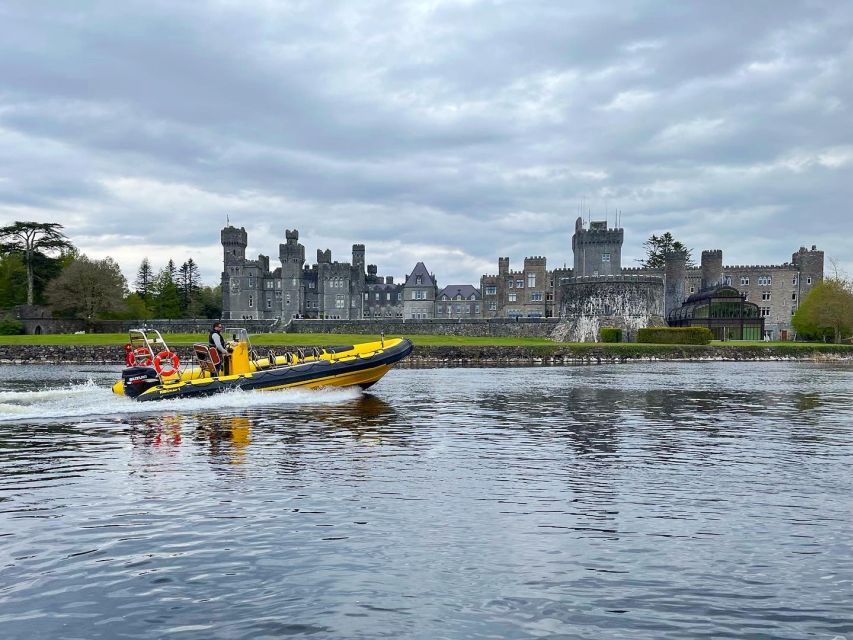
x=665, y=500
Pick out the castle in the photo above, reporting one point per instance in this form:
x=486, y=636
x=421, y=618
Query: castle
x=594, y=292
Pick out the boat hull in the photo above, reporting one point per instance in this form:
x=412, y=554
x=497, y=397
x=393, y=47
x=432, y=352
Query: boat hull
x=347, y=371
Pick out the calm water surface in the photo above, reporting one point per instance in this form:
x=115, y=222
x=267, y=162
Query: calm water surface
x=624, y=501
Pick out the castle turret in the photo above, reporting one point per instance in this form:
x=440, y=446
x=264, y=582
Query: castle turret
x=358, y=258
x=597, y=250
x=503, y=266
x=675, y=281
x=292, y=256
x=810, y=264
x=712, y=268
x=234, y=243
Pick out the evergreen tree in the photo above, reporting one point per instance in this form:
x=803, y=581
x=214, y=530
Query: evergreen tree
x=144, y=279
x=189, y=283
x=167, y=302
x=31, y=240
x=13, y=280
x=657, y=247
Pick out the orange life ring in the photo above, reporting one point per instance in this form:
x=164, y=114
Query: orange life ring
x=166, y=363
x=141, y=356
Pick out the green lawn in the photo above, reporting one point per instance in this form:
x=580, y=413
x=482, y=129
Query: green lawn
x=270, y=339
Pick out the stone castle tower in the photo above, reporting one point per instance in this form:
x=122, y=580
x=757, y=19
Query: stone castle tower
x=234, y=243
x=712, y=268
x=292, y=256
x=597, y=250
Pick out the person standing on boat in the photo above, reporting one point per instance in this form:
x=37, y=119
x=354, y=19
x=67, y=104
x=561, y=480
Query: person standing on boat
x=216, y=341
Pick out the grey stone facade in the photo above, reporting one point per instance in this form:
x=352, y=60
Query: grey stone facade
x=528, y=293
x=458, y=301
x=326, y=289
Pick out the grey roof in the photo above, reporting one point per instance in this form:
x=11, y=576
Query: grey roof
x=465, y=290
x=420, y=270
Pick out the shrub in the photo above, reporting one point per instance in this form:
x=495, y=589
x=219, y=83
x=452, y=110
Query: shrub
x=611, y=334
x=9, y=326
x=675, y=335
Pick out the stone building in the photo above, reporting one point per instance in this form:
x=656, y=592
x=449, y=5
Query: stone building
x=776, y=289
x=528, y=293
x=420, y=292
x=458, y=301
x=327, y=289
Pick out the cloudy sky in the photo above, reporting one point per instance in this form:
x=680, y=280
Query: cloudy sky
x=448, y=131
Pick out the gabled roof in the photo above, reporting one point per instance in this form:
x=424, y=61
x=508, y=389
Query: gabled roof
x=465, y=290
x=420, y=270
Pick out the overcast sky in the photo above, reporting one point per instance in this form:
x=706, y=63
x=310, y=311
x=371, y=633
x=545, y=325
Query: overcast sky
x=451, y=132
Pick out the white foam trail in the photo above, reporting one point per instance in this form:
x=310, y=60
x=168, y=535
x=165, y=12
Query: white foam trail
x=90, y=399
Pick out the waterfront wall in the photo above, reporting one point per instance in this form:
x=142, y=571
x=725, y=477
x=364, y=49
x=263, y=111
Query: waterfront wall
x=432, y=356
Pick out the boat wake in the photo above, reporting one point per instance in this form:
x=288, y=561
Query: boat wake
x=90, y=399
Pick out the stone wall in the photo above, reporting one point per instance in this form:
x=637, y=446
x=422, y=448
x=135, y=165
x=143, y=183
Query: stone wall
x=437, y=356
x=506, y=327
x=626, y=302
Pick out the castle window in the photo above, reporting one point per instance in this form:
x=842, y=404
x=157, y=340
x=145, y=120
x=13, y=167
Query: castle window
x=251, y=282
x=794, y=281
x=793, y=296
x=493, y=306
x=476, y=308
x=339, y=301
x=744, y=280
x=491, y=291
x=269, y=303
x=268, y=284
x=511, y=297
x=311, y=284
x=457, y=308
x=764, y=281
x=251, y=302
x=419, y=280
x=510, y=282
x=418, y=294
x=765, y=295
x=287, y=299
x=728, y=280
x=765, y=311
x=399, y=298
x=809, y=280
x=376, y=296
x=605, y=257
x=536, y=296
x=692, y=289
x=531, y=279
x=519, y=284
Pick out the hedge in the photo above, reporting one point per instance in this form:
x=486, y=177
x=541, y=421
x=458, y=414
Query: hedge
x=611, y=334
x=675, y=335
x=9, y=326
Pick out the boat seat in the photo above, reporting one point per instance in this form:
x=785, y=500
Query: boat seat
x=207, y=357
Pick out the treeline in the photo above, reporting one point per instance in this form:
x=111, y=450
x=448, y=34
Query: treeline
x=40, y=265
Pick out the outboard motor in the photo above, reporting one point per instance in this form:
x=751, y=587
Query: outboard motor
x=138, y=379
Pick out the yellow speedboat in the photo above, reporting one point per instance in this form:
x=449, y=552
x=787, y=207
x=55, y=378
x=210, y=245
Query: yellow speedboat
x=154, y=372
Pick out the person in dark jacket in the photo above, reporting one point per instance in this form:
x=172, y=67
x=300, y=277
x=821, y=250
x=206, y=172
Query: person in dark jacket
x=216, y=341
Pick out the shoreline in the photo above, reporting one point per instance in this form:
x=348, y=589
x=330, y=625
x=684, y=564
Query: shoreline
x=446, y=356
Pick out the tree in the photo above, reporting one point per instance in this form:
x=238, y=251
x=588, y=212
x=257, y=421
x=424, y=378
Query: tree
x=87, y=289
x=189, y=283
x=210, y=302
x=13, y=280
x=144, y=279
x=167, y=302
x=31, y=239
x=826, y=311
x=657, y=247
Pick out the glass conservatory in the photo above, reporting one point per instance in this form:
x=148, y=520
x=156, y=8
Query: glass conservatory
x=723, y=310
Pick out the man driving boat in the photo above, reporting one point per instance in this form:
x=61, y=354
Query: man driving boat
x=216, y=341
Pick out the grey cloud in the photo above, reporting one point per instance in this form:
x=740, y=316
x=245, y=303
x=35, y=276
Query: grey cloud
x=472, y=126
